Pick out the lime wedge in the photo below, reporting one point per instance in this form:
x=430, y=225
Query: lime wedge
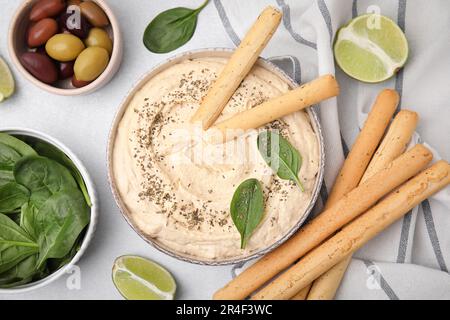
x=371, y=48
x=6, y=81
x=137, y=278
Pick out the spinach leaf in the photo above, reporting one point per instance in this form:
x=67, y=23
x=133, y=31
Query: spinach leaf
x=8, y=157
x=58, y=223
x=280, y=155
x=43, y=177
x=12, y=197
x=47, y=150
x=21, y=273
x=17, y=283
x=6, y=176
x=171, y=29
x=56, y=264
x=15, y=244
x=18, y=145
x=247, y=208
x=27, y=214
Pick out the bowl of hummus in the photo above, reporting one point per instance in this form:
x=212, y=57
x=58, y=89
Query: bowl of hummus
x=174, y=187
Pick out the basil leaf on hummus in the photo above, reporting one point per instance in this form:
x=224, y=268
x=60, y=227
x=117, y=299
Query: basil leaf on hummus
x=280, y=155
x=247, y=208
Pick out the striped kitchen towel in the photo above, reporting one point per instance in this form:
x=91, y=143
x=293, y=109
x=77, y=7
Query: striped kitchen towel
x=410, y=259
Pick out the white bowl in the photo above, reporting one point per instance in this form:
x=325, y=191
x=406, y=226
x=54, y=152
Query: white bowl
x=94, y=208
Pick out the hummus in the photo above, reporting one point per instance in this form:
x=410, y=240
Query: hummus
x=177, y=187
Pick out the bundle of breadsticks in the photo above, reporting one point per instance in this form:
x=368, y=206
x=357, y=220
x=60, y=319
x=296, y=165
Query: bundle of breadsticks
x=378, y=183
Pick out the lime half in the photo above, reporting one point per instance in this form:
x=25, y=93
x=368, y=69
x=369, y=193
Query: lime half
x=137, y=278
x=6, y=81
x=371, y=48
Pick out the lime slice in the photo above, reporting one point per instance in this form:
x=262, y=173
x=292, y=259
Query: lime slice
x=6, y=81
x=137, y=278
x=371, y=48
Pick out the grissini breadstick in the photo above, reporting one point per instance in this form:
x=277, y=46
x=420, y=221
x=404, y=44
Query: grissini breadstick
x=237, y=68
x=326, y=286
x=358, y=232
x=332, y=219
x=302, y=294
x=393, y=145
x=365, y=145
x=304, y=96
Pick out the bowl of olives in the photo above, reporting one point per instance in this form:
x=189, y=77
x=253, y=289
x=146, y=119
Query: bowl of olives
x=66, y=47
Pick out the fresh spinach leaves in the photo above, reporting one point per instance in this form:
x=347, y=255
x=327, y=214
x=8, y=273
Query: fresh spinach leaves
x=171, y=29
x=59, y=222
x=43, y=176
x=54, y=264
x=12, y=197
x=8, y=157
x=18, y=145
x=247, y=208
x=247, y=205
x=27, y=214
x=15, y=244
x=47, y=204
x=20, y=273
x=47, y=150
x=6, y=176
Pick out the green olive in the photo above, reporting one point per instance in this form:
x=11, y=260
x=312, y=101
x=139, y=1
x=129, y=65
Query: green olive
x=64, y=47
x=99, y=38
x=91, y=63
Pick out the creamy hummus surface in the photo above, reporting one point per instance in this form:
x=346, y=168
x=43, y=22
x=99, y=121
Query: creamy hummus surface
x=177, y=187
